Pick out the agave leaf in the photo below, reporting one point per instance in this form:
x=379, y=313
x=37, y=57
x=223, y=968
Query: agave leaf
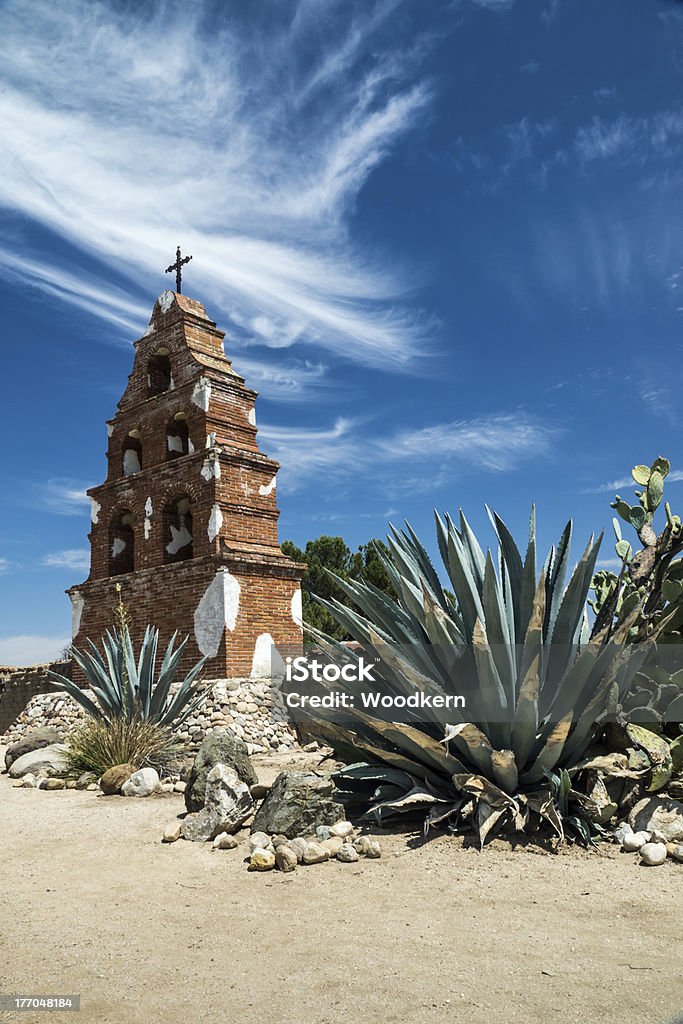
x=512, y=560
x=551, y=752
x=146, y=666
x=419, y=745
x=487, y=818
x=556, y=573
x=464, y=585
x=75, y=691
x=497, y=631
x=473, y=744
x=505, y=770
x=493, y=698
x=543, y=804
x=186, y=692
x=474, y=553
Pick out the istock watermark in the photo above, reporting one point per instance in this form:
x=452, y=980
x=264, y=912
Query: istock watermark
x=313, y=682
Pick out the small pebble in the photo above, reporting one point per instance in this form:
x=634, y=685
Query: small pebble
x=171, y=832
x=51, y=784
x=278, y=840
x=17, y=783
x=29, y=781
x=653, y=853
x=259, y=841
x=323, y=832
x=362, y=844
x=374, y=850
x=286, y=858
x=225, y=842
x=314, y=853
x=633, y=842
x=92, y=787
x=298, y=845
x=341, y=828
x=347, y=853
x=333, y=845
x=675, y=850
x=622, y=831
x=179, y=787
x=261, y=860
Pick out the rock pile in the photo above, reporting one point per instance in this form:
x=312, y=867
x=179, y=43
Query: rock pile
x=252, y=709
x=652, y=845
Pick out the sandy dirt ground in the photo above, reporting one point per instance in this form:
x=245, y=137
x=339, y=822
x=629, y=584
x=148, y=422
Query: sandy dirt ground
x=93, y=903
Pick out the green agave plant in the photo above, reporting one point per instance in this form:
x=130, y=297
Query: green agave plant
x=126, y=688
x=542, y=684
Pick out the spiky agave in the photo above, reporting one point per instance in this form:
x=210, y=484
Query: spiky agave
x=541, y=684
x=127, y=688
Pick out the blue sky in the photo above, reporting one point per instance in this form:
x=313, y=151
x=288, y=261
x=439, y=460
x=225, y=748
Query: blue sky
x=445, y=240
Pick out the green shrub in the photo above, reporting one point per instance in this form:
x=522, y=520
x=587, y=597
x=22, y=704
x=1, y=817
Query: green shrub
x=99, y=744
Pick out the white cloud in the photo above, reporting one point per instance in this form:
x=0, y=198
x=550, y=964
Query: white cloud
x=128, y=129
x=4, y=565
x=497, y=443
x=73, y=558
x=28, y=649
x=65, y=496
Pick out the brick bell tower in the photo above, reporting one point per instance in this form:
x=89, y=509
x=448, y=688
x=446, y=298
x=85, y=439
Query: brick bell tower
x=186, y=520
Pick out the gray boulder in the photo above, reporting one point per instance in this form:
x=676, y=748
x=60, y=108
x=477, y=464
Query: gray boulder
x=219, y=747
x=228, y=805
x=296, y=804
x=659, y=814
x=32, y=740
x=48, y=759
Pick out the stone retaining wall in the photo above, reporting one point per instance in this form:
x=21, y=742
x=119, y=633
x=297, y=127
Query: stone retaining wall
x=252, y=709
x=19, y=685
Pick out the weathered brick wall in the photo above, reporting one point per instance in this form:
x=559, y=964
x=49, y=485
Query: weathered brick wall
x=19, y=685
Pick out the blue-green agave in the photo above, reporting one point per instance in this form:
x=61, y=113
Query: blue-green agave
x=542, y=684
x=127, y=688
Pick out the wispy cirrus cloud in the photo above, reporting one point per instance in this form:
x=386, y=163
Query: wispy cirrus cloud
x=628, y=481
x=4, y=565
x=129, y=128
x=72, y=558
x=63, y=495
x=498, y=443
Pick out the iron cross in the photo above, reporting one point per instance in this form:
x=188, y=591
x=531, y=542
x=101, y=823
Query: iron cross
x=179, y=263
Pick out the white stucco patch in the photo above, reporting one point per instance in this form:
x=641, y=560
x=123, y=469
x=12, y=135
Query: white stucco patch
x=110, y=429
x=210, y=440
x=117, y=547
x=251, y=416
x=216, y=612
x=211, y=467
x=190, y=446
x=265, y=489
x=149, y=509
x=94, y=511
x=175, y=443
x=179, y=539
x=297, y=608
x=266, y=662
x=131, y=462
x=201, y=395
x=147, y=331
x=77, y=606
x=215, y=522
x=165, y=301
